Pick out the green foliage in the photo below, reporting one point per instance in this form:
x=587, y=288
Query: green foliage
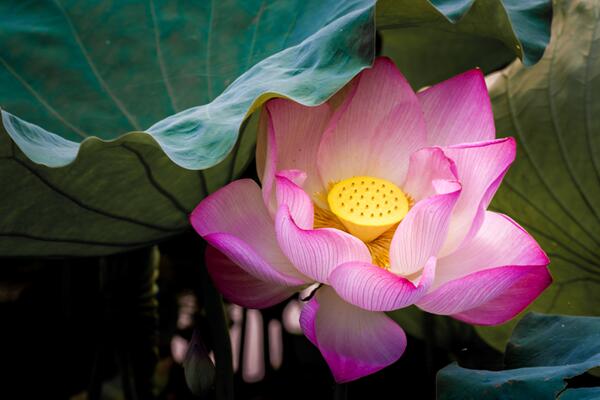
x=543, y=352
x=432, y=41
x=100, y=71
x=553, y=188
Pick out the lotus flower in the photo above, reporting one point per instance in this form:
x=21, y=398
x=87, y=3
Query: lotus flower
x=379, y=195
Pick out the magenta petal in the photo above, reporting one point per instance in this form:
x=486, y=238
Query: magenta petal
x=488, y=297
x=317, y=252
x=235, y=220
x=480, y=167
x=308, y=317
x=422, y=232
x=427, y=167
x=240, y=287
x=354, y=342
x=376, y=289
x=377, y=128
x=296, y=199
x=292, y=140
x=500, y=241
x=458, y=110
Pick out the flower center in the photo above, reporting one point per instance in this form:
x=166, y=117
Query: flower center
x=367, y=206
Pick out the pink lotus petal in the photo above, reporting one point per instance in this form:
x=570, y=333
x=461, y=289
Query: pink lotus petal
x=317, y=252
x=377, y=128
x=481, y=167
x=240, y=287
x=488, y=297
x=458, y=110
x=354, y=342
x=292, y=139
x=223, y=219
x=242, y=254
x=422, y=232
x=427, y=167
x=296, y=199
x=500, y=241
x=375, y=289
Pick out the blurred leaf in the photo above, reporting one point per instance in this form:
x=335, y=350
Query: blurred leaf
x=544, y=351
x=199, y=368
x=101, y=70
x=553, y=188
x=432, y=41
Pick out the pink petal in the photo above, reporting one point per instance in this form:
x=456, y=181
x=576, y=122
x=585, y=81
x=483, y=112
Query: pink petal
x=458, y=110
x=239, y=286
x=375, y=289
x=377, y=128
x=492, y=277
x=422, y=232
x=427, y=167
x=235, y=220
x=308, y=317
x=317, y=252
x=293, y=135
x=296, y=199
x=354, y=342
x=481, y=167
x=500, y=241
x=488, y=297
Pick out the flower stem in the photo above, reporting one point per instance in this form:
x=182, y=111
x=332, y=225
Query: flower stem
x=220, y=333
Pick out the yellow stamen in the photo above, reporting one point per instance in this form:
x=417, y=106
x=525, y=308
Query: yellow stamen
x=367, y=206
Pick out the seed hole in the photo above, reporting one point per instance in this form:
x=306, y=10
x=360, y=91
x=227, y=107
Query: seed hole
x=352, y=210
x=381, y=214
x=372, y=197
x=377, y=206
x=362, y=182
x=362, y=197
x=350, y=197
x=362, y=214
x=377, y=190
x=342, y=204
x=389, y=211
x=395, y=199
x=372, y=215
x=395, y=207
x=386, y=202
x=367, y=206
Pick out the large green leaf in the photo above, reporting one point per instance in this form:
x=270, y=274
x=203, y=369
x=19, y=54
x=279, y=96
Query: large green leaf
x=432, y=41
x=544, y=351
x=90, y=72
x=78, y=175
x=553, y=188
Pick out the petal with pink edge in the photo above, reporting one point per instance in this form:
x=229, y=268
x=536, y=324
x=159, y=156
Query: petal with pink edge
x=316, y=252
x=500, y=241
x=458, y=110
x=375, y=289
x=240, y=287
x=375, y=130
x=292, y=140
x=237, y=211
x=297, y=200
x=422, y=232
x=427, y=167
x=480, y=168
x=488, y=297
x=354, y=342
